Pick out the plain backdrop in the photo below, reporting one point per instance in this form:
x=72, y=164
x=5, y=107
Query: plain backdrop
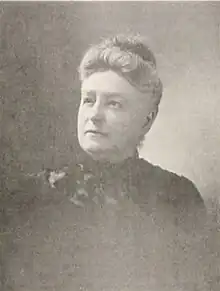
x=40, y=48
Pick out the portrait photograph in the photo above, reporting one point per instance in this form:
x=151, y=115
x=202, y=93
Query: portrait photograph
x=109, y=152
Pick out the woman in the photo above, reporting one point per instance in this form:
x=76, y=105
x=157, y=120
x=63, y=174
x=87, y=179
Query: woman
x=112, y=221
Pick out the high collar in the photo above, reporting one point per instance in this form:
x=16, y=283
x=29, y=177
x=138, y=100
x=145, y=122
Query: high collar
x=107, y=168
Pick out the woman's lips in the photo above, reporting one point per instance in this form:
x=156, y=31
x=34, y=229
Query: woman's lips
x=95, y=132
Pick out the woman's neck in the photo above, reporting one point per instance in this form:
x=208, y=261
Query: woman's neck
x=113, y=159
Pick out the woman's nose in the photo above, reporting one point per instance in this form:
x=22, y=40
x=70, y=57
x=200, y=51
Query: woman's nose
x=97, y=112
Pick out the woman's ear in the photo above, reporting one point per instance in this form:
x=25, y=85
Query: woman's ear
x=150, y=119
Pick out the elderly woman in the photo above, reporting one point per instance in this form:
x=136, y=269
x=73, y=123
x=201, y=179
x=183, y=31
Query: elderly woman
x=112, y=221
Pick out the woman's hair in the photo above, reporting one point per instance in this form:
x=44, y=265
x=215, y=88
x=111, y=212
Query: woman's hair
x=128, y=56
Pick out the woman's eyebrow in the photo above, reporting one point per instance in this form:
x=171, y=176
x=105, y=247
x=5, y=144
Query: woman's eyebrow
x=105, y=96
x=104, y=93
x=88, y=91
x=113, y=94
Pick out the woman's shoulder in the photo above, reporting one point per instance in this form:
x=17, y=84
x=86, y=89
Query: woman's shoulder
x=173, y=193
x=171, y=185
x=27, y=191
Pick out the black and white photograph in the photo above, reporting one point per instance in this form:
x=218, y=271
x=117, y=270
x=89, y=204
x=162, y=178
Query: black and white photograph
x=109, y=146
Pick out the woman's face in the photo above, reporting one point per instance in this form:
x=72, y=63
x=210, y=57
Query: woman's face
x=111, y=116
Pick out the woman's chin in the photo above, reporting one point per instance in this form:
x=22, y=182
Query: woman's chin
x=99, y=153
x=94, y=150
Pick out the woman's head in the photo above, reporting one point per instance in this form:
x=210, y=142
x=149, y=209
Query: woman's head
x=130, y=57
x=120, y=93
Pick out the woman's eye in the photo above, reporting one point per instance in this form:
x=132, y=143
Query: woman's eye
x=88, y=100
x=115, y=104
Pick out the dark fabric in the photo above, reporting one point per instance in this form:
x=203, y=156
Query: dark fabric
x=98, y=226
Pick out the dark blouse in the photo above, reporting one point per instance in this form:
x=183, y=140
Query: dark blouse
x=102, y=227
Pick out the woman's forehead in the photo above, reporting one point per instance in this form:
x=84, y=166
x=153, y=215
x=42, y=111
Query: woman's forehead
x=110, y=84
x=108, y=81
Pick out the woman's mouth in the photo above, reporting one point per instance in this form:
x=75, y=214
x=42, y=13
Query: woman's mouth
x=95, y=133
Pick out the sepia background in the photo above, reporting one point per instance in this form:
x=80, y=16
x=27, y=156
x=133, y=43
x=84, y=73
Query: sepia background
x=41, y=45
